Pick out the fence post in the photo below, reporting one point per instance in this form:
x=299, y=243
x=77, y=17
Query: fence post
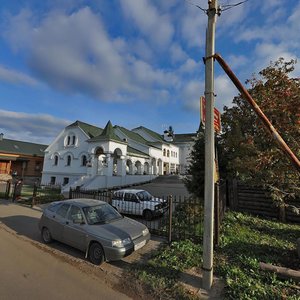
x=34, y=194
x=7, y=191
x=170, y=202
x=282, y=213
x=110, y=193
x=235, y=194
x=70, y=193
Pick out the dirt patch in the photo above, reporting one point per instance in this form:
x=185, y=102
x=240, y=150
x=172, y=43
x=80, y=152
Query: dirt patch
x=191, y=280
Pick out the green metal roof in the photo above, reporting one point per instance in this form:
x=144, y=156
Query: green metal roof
x=22, y=148
x=132, y=135
x=135, y=152
x=152, y=133
x=184, y=137
x=90, y=130
x=108, y=134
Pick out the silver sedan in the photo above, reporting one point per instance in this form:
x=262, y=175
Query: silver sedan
x=94, y=227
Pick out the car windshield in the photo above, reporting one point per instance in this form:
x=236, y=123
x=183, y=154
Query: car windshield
x=101, y=214
x=144, y=195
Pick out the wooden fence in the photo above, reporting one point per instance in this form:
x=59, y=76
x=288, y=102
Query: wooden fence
x=258, y=201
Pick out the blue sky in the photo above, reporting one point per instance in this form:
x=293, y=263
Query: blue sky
x=134, y=62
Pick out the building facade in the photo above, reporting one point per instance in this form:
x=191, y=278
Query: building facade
x=21, y=159
x=86, y=156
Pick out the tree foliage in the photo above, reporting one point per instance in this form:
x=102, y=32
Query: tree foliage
x=194, y=181
x=248, y=150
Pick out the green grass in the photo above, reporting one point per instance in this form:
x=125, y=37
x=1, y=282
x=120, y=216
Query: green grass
x=160, y=275
x=245, y=241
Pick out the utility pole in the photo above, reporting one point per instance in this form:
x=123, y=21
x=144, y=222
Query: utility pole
x=209, y=147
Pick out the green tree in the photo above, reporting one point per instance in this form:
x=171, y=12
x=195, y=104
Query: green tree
x=194, y=181
x=248, y=151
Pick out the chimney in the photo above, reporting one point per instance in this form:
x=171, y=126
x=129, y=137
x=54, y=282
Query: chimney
x=1, y=136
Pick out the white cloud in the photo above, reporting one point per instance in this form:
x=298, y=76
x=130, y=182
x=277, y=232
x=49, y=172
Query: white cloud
x=39, y=128
x=225, y=91
x=157, y=27
x=237, y=61
x=189, y=66
x=191, y=95
x=192, y=26
x=177, y=53
x=15, y=77
x=74, y=54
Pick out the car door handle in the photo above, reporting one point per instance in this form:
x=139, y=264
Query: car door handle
x=53, y=217
x=67, y=223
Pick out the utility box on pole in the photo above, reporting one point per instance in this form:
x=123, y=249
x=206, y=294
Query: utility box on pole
x=209, y=147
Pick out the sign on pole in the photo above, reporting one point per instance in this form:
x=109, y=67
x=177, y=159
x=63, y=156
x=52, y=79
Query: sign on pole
x=217, y=115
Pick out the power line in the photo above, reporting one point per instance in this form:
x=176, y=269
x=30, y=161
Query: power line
x=191, y=3
x=229, y=6
x=221, y=8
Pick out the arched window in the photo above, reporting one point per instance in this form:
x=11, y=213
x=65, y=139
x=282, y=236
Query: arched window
x=55, y=160
x=164, y=152
x=168, y=153
x=68, y=140
x=73, y=139
x=83, y=160
x=69, y=160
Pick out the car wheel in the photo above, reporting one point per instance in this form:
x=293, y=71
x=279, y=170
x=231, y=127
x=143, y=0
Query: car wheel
x=96, y=254
x=148, y=215
x=46, y=235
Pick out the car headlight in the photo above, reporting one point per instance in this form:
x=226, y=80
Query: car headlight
x=121, y=243
x=145, y=231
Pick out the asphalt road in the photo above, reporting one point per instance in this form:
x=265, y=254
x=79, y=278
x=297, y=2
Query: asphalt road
x=163, y=186
x=32, y=270
x=27, y=272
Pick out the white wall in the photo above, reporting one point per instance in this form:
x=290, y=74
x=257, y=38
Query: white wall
x=60, y=148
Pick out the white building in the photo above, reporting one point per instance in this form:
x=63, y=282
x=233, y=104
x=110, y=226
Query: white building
x=90, y=157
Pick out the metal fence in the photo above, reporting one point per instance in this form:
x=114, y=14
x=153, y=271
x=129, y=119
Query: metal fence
x=173, y=217
x=29, y=194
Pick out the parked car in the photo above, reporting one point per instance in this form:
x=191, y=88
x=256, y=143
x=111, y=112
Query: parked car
x=138, y=202
x=93, y=227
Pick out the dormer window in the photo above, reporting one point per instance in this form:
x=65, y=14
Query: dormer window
x=55, y=160
x=70, y=140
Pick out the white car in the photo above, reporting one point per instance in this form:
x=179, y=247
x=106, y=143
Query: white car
x=138, y=202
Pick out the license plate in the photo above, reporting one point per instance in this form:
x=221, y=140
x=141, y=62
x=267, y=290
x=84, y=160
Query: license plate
x=139, y=245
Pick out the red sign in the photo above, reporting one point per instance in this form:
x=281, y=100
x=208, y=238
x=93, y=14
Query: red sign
x=217, y=115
